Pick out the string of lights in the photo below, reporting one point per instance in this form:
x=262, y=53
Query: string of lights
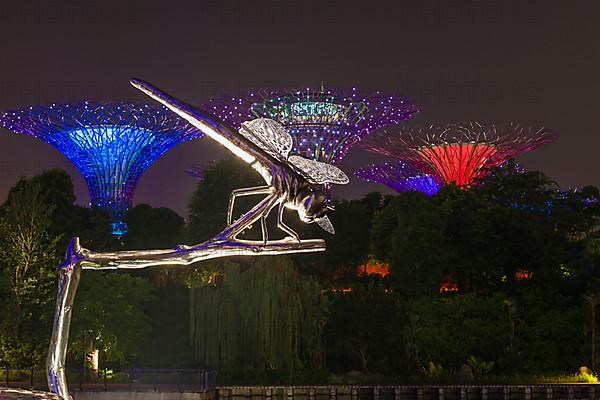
x=400, y=177
x=324, y=124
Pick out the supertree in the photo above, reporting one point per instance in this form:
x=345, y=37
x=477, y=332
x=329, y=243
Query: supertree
x=458, y=153
x=198, y=170
x=324, y=124
x=399, y=176
x=110, y=144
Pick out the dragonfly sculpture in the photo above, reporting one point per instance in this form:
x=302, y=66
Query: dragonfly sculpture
x=292, y=181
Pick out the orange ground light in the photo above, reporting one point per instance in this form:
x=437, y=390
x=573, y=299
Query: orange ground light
x=373, y=268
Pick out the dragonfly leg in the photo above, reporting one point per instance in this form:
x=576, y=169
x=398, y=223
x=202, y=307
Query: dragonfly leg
x=263, y=222
x=263, y=226
x=244, y=192
x=283, y=226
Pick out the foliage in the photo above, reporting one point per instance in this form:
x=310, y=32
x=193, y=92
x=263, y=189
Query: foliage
x=350, y=245
x=484, y=236
x=523, y=254
x=27, y=263
x=409, y=234
x=585, y=375
x=433, y=370
x=108, y=314
x=364, y=330
x=169, y=344
x=550, y=334
x=153, y=228
x=26, y=246
x=208, y=205
x=448, y=330
x=480, y=367
x=264, y=317
x=36, y=222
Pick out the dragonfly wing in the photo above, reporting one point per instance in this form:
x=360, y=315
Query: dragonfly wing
x=317, y=172
x=269, y=135
x=326, y=224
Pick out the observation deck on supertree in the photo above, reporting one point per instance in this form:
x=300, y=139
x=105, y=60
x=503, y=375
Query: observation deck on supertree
x=324, y=124
x=400, y=177
x=110, y=144
x=458, y=153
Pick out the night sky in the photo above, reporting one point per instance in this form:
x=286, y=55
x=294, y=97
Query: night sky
x=534, y=62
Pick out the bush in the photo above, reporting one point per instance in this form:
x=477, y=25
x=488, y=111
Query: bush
x=449, y=330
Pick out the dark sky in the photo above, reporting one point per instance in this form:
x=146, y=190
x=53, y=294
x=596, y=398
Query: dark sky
x=535, y=62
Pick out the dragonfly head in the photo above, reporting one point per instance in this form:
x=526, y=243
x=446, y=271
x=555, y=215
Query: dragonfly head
x=311, y=204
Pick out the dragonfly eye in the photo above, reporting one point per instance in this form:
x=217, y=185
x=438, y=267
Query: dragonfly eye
x=307, y=202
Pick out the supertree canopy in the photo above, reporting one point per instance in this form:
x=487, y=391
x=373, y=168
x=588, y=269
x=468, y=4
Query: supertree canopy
x=458, y=153
x=399, y=176
x=324, y=124
x=198, y=170
x=110, y=144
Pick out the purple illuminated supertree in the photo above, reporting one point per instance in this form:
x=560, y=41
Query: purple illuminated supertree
x=198, y=170
x=399, y=176
x=458, y=153
x=323, y=124
x=110, y=144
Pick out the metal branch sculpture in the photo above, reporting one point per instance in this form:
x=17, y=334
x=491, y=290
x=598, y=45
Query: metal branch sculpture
x=293, y=182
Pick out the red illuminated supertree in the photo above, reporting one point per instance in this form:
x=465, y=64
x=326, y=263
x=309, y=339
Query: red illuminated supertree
x=458, y=153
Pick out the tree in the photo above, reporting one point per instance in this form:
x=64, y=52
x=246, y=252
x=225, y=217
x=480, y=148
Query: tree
x=153, y=228
x=28, y=257
x=350, y=244
x=108, y=315
x=449, y=330
x=208, y=206
x=26, y=244
x=36, y=222
x=257, y=319
x=364, y=329
x=69, y=219
x=593, y=300
x=484, y=237
x=409, y=234
x=550, y=333
x=527, y=224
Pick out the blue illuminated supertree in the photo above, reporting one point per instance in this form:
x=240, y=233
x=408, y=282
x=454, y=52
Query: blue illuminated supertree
x=110, y=144
x=401, y=177
x=324, y=124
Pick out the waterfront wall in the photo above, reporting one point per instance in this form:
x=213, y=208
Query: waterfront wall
x=341, y=392
x=421, y=392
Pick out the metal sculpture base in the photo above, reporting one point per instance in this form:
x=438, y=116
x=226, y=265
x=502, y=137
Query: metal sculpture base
x=224, y=244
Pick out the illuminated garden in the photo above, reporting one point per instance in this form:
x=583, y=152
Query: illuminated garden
x=470, y=272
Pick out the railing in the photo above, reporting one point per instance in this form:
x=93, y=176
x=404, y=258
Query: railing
x=412, y=392
x=128, y=380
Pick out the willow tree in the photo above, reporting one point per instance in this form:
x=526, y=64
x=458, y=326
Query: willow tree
x=257, y=320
